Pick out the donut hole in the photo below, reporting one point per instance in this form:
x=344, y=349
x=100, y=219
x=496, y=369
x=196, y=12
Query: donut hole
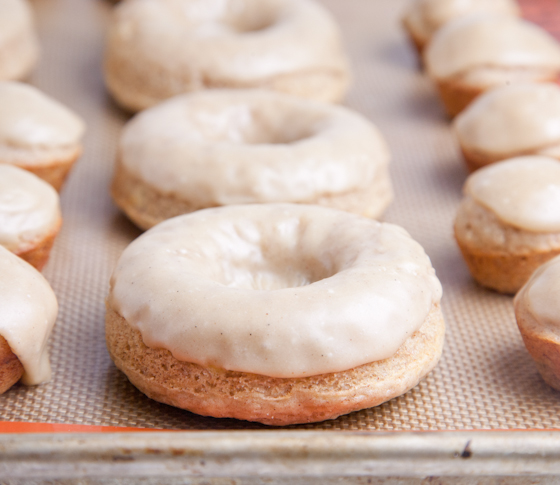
x=275, y=274
x=253, y=16
x=209, y=18
x=277, y=123
x=244, y=256
x=253, y=24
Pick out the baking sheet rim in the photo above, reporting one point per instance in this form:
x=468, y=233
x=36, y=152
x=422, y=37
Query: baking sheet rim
x=281, y=454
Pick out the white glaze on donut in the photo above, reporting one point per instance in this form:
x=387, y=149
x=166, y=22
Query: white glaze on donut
x=425, y=17
x=512, y=119
x=226, y=40
x=541, y=292
x=29, y=118
x=160, y=48
x=480, y=41
x=229, y=147
x=29, y=207
x=523, y=192
x=29, y=310
x=280, y=290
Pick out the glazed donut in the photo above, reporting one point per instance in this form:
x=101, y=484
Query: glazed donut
x=476, y=53
x=423, y=18
x=19, y=47
x=537, y=311
x=29, y=215
x=510, y=121
x=37, y=133
x=276, y=313
x=29, y=310
x=157, y=49
x=508, y=223
x=223, y=147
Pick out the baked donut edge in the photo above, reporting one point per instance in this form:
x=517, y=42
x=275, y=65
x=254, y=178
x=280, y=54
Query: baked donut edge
x=272, y=401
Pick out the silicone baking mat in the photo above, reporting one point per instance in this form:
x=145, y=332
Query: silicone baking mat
x=485, y=380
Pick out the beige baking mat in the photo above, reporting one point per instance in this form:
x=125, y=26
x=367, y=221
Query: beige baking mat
x=485, y=378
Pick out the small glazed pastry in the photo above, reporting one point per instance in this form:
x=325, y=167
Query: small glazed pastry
x=29, y=310
x=19, y=47
x=276, y=313
x=37, y=133
x=157, y=49
x=508, y=224
x=537, y=310
x=29, y=215
x=510, y=121
x=423, y=18
x=223, y=147
x=471, y=55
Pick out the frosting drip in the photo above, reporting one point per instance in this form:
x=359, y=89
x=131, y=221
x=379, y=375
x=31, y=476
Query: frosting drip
x=488, y=40
x=523, y=192
x=230, y=147
x=29, y=207
x=29, y=310
x=276, y=289
x=28, y=118
x=512, y=119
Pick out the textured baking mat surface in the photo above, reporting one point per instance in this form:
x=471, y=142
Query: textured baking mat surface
x=485, y=380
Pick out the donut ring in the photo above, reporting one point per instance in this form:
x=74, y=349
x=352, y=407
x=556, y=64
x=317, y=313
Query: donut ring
x=343, y=295
x=157, y=49
x=227, y=147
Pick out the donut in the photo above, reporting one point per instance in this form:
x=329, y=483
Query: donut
x=508, y=223
x=473, y=54
x=19, y=47
x=29, y=310
x=537, y=313
x=221, y=147
x=29, y=215
x=157, y=49
x=275, y=313
x=510, y=121
x=37, y=133
x=423, y=18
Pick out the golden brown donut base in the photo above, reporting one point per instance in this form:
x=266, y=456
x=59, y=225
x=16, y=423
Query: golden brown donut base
x=505, y=273
x=53, y=171
x=475, y=159
x=542, y=344
x=146, y=206
x=457, y=95
x=418, y=43
x=506, y=262
x=137, y=87
x=273, y=401
x=37, y=253
x=11, y=369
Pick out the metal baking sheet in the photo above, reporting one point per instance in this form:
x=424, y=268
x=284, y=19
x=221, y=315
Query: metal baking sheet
x=485, y=380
